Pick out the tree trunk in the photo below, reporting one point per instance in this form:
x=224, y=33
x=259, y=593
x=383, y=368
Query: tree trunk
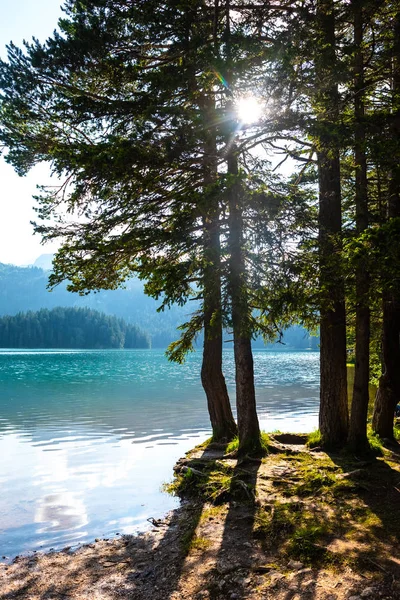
x=248, y=426
x=213, y=380
x=357, y=439
x=333, y=418
x=388, y=394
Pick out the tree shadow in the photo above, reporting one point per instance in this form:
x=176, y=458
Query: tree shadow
x=376, y=486
x=237, y=553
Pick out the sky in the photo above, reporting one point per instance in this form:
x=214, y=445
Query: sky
x=19, y=20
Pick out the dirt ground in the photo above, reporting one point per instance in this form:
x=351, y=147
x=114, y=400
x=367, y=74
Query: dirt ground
x=295, y=525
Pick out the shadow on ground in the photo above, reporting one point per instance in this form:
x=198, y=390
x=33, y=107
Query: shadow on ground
x=293, y=525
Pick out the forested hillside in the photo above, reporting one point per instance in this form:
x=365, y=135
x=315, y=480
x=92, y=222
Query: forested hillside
x=25, y=289
x=69, y=328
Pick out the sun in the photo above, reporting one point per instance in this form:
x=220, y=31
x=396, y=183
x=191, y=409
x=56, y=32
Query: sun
x=249, y=109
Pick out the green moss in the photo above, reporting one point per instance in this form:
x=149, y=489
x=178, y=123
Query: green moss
x=375, y=443
x=233, y=446
x=275, y=522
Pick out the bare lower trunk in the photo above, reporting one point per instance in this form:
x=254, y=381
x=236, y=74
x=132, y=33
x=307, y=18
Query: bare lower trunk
x=248, y=426
x=213, y=380
x=333, y=416
x=388, y=394
x=357, y=439
x=219, y=408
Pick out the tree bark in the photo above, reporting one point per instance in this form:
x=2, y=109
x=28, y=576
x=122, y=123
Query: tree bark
x=213, y=380
x=333, y=418
x=223, y=424
x=357, y=438
x=388, y=394
x=248, y=426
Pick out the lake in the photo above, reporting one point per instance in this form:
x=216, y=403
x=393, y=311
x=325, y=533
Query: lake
x=87, y=438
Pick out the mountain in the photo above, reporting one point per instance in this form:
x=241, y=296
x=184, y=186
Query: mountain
x=44, y=261
x=24, y=289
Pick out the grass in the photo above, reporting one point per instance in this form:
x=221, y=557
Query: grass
x=314, y=439
x=233, y=446
x=198, y=543
x=215, y=483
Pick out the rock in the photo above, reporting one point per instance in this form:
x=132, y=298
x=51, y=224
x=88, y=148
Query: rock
x=367, y=592
x=308, y=584
x=234, y=596
x=276, y=578
x=304, y=571
x=355, y=598
x=294, y=564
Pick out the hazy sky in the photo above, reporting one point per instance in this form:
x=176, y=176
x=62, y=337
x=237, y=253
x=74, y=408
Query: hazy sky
x=19, y=20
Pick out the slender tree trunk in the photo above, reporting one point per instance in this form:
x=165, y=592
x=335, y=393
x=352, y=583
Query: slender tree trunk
x=213, y=380
x=333, y=418
x=248, y=426
x=388, y=394
x=249, y=430
x=359, y=408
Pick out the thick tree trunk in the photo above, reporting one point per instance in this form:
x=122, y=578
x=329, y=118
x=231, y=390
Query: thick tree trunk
x=357, y=439
x=333, y=418
x=248, y=426
x=223, y=424
x=388, y=394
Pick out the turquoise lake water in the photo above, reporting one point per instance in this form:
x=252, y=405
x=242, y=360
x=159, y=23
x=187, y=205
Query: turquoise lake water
x=88, y=437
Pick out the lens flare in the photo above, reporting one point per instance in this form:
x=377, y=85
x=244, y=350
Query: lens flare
x=249, y=109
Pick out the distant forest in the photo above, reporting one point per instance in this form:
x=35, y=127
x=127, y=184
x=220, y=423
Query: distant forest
x=23, y=289
x=69, y=328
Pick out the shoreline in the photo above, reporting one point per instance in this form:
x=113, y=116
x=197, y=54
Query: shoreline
x=230, y=543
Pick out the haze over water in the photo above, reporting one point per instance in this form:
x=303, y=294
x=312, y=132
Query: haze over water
x=88, y=437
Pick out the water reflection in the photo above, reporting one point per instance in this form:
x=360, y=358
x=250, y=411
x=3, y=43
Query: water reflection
x=60, y=512
x=88, y=437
